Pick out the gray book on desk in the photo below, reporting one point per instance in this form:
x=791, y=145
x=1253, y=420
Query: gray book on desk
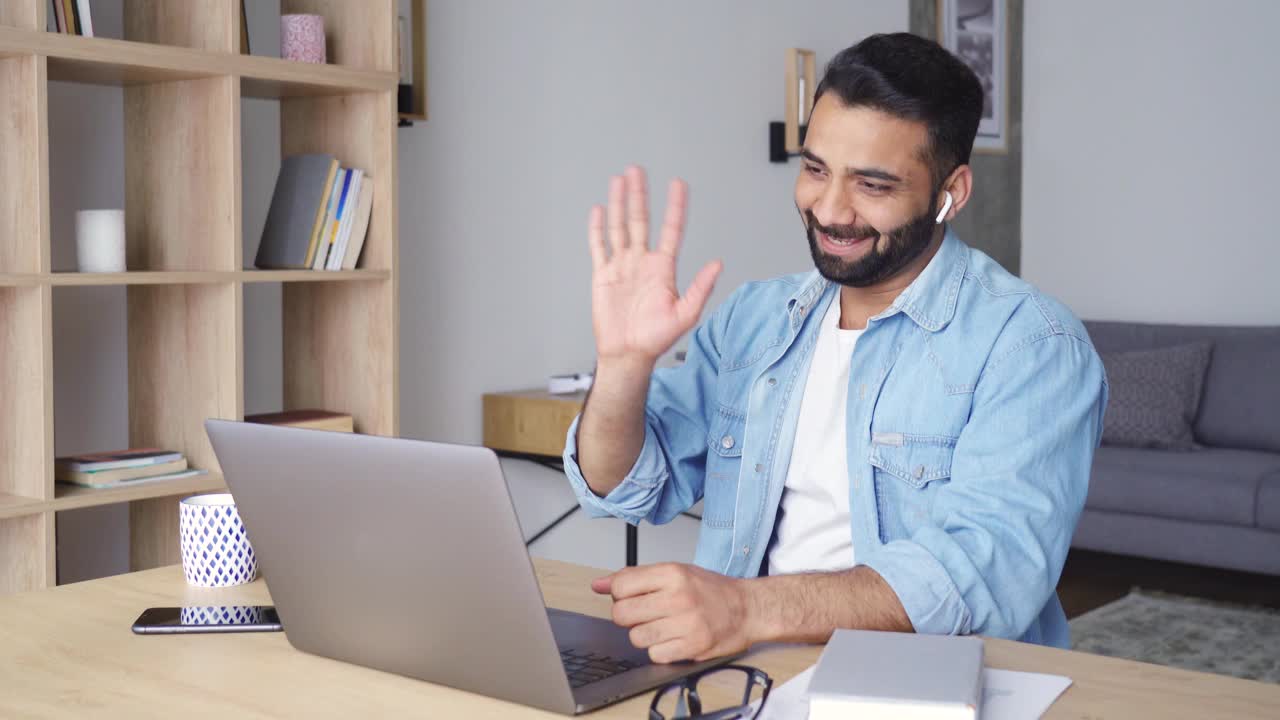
x=869, y=675
x=290, y=235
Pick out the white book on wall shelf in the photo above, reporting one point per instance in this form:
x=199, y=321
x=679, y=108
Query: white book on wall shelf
x=338, y=253
x=86, y=25
x=344, y=199
x=360, y=226
x=330, y=231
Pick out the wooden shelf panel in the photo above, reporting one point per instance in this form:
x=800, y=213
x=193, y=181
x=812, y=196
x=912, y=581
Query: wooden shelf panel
x=62, y=279
x=106, y=61
x=16, y=506
x=291, y=276
x=20, y=279
x=266, y=77
x=71, y=497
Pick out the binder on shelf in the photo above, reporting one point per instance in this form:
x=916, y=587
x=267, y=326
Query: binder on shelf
x=297, y=212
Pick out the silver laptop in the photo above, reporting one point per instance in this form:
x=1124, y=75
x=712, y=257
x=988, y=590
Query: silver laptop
x=406, y=556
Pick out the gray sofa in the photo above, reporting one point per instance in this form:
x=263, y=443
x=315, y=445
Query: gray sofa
x=1218, y=505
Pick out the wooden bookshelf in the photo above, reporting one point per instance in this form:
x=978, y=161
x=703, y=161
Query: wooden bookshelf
x=182, y=77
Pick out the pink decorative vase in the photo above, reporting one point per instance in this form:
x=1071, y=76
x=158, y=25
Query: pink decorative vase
x=302, y=38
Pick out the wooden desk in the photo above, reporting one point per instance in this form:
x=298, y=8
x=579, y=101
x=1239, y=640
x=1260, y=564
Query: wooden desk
x=529, y=422
x=68, y=652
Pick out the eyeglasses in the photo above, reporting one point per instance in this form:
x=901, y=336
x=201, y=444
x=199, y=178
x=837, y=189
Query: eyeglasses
x=682, y=699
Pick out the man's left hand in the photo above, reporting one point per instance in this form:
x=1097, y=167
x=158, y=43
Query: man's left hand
x=679, y=612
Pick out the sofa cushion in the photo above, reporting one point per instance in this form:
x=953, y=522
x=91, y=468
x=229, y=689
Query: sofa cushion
x=1154, y=395
x=1210, y=485
x=1269, y=502
x=1241, y=403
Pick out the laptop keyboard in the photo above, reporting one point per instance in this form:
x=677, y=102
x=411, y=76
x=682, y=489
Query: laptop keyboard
x=584, y=667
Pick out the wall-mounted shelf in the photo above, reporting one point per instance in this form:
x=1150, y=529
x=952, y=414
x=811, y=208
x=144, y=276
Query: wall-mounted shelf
x=182, y=79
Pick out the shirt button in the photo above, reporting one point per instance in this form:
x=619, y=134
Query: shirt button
x=746, y=550
x=759, y=467
x=919, y=472
x=773, y=381
x=726, y=442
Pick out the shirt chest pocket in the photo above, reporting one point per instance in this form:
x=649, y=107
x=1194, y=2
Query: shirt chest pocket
x=909, y=472
x=724, y=465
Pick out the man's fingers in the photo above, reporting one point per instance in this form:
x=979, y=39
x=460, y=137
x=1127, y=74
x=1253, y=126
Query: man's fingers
x=640, y=609
x=671, y=651
x=694, y=300
x=637, y=208
x=659, y=631
x=673, y=219
x=617, y=230
x=633, y=581
x=595, y=237
x=602, y=585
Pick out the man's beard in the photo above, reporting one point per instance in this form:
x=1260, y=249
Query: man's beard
x=902, y=245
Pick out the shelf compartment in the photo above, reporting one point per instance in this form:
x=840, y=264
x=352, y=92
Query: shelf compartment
x=182, y=205
x=357, y=34
x=209, y=25
x=336, y=358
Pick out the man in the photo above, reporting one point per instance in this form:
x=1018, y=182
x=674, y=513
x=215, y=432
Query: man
x=900, y=440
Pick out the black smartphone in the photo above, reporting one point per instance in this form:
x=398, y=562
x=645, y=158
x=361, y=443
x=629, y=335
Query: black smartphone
x=207, y=619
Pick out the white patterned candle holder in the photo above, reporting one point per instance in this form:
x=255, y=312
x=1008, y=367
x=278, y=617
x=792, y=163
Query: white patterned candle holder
x=215, y=546
x=100, y=241
x=302, y=38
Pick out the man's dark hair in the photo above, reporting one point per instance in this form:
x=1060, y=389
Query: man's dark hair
x=912, y=78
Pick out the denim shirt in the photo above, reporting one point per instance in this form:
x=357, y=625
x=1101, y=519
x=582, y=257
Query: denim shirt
x=975, y=404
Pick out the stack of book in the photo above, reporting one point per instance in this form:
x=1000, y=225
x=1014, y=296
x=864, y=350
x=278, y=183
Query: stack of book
x=309, y=419
x=123, y=467
x=319, y=216
x=71, y=17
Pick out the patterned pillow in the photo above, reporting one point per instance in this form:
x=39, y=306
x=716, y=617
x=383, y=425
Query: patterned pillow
x=1154, y=396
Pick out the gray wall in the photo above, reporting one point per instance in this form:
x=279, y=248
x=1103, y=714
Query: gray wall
x=992, y=221
x=533, y=105
x=1151, y=155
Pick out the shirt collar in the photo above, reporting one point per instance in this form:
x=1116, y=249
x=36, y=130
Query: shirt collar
x=930, y=300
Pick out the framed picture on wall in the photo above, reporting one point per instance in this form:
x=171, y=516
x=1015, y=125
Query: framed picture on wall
x=976, y=32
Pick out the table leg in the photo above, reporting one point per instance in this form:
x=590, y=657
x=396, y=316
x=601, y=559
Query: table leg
x=633, y=537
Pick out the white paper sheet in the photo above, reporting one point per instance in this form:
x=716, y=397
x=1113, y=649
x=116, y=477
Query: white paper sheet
x=1013, y=695
x=1006, y=695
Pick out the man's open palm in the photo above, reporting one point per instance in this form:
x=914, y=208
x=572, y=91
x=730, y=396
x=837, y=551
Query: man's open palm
x=637, y=311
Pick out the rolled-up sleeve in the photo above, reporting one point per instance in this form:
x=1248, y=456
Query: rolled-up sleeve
x=989, y=559
x=667, y=477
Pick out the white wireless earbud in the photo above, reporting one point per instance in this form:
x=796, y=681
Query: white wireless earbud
x=946, y=205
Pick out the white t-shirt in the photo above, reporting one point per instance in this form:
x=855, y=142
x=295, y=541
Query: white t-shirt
x=812, y=532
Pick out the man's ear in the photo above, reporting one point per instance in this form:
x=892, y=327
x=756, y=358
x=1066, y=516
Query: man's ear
x=960, y=185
